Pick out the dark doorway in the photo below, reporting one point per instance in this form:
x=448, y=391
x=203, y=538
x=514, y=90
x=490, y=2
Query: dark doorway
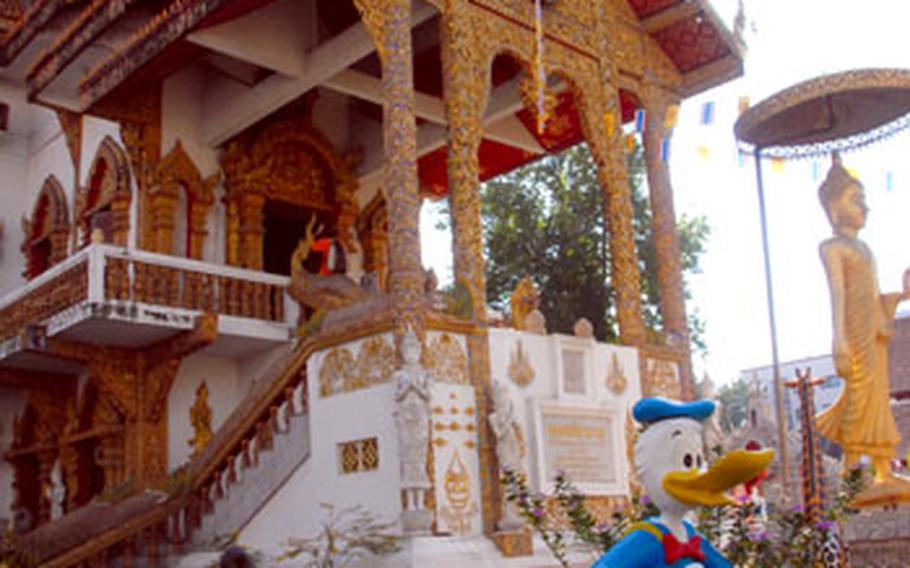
x=285, y=225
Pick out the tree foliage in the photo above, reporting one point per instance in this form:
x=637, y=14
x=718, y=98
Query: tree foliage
x=734, y=398
x=546, y=220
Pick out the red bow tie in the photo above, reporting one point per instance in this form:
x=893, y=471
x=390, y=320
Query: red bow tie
x=674, y=550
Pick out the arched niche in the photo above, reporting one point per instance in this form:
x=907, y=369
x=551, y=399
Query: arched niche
x=276, y=178
x=178, y=206
x=46, y=230
x=373, y=233
x=104, y=203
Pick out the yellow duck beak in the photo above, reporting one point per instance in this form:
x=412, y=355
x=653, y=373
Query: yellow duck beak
x=709, y=488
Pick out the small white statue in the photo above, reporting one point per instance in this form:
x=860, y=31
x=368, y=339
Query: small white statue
x=412, y=416
x=510, y=446
x=56, y=491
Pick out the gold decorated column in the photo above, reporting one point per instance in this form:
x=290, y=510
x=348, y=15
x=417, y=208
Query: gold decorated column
x=466, y=86
x=603, y=131
x=663, y=228
x=389, y=24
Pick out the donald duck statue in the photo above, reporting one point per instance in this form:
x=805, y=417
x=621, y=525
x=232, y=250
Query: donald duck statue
x=674, y=474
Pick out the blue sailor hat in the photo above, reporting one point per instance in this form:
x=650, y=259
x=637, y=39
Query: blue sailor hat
x=650, y=410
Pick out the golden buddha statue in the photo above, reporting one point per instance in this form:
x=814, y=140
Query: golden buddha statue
x=860, y=421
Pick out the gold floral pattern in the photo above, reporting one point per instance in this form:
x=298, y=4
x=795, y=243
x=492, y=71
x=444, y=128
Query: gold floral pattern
x=616, y=378
x=342, y=372
x=446, y=360
x=520, y=370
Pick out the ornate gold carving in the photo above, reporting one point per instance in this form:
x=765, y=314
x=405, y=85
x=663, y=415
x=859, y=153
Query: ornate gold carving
x=288, y=160
x=341, y=372
x=177, y=173
x=108, y=188
x=137, y=384
x=201, y=419
x=47, y=230
x=389, y=24
x=71, y=123
x=520, y=370
x=446, y=360
x=359, y=455
x=458, y=509
x=525, y=299
x=661, y=378
x=316, y=291
x=663, y=229
x=616, y=378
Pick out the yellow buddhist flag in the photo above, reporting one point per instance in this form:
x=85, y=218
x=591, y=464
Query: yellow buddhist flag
x=671, y=117
x=609, y=123
x=743, y=104
x=777, y=165
x=703, y=152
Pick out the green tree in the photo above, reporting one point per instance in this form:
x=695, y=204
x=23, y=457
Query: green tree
x=546, y=220
x=733, y=398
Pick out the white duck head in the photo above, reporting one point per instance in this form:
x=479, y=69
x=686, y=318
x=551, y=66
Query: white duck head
x=670, y=461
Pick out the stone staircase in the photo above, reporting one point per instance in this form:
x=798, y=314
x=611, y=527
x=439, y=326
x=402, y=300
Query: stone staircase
x=258, y=475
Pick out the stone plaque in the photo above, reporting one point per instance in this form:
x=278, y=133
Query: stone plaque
x=584, y=443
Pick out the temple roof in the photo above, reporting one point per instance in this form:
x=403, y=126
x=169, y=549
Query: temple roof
x=81, y=55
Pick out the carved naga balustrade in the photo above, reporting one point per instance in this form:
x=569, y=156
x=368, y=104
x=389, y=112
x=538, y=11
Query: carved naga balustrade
x=149, y=527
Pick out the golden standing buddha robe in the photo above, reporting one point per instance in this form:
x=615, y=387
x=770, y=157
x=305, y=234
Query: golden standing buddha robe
x=860, y=421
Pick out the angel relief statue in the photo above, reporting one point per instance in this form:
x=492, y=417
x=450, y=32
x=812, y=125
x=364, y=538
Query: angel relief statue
x=321, y=290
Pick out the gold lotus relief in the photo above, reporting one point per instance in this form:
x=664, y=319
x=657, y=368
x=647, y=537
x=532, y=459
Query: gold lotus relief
x=446, y=361
x=616, y=377
x=458, y=511
x=341, y=372
x=520, y=371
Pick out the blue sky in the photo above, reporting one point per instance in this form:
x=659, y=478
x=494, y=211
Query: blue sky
x=793, y=40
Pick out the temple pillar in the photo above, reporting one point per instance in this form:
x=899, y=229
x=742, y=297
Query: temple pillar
x=198, y=229
x=389, y=24
x=59, y=242
x=163, y=205
x=120, y=212
x=466, y=82
x=603, y=123
x=251, y=228
x=663, y=229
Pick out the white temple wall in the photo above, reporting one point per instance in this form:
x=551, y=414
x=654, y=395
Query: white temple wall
x=182, y=112
x=12, y=402
x=542, y=354
x=16, y=197
x=181, y=118
x=295, y=509
x=226, y=389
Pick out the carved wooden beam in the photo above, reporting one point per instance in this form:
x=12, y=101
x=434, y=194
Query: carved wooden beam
x=432, y=109
x=230, y=108
x=35, y=380
x=670, y=16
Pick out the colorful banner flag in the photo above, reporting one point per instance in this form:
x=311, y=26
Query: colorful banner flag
x=665, y=149
x=741, y=158
x=816, y=170
x=743, y=104
x=889, y=182
x=630, y=143
x=641, y=120
x=703, y=152
x=707, y=113
x=777, y=165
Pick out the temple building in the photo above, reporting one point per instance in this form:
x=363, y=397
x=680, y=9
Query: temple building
x=210, y=262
